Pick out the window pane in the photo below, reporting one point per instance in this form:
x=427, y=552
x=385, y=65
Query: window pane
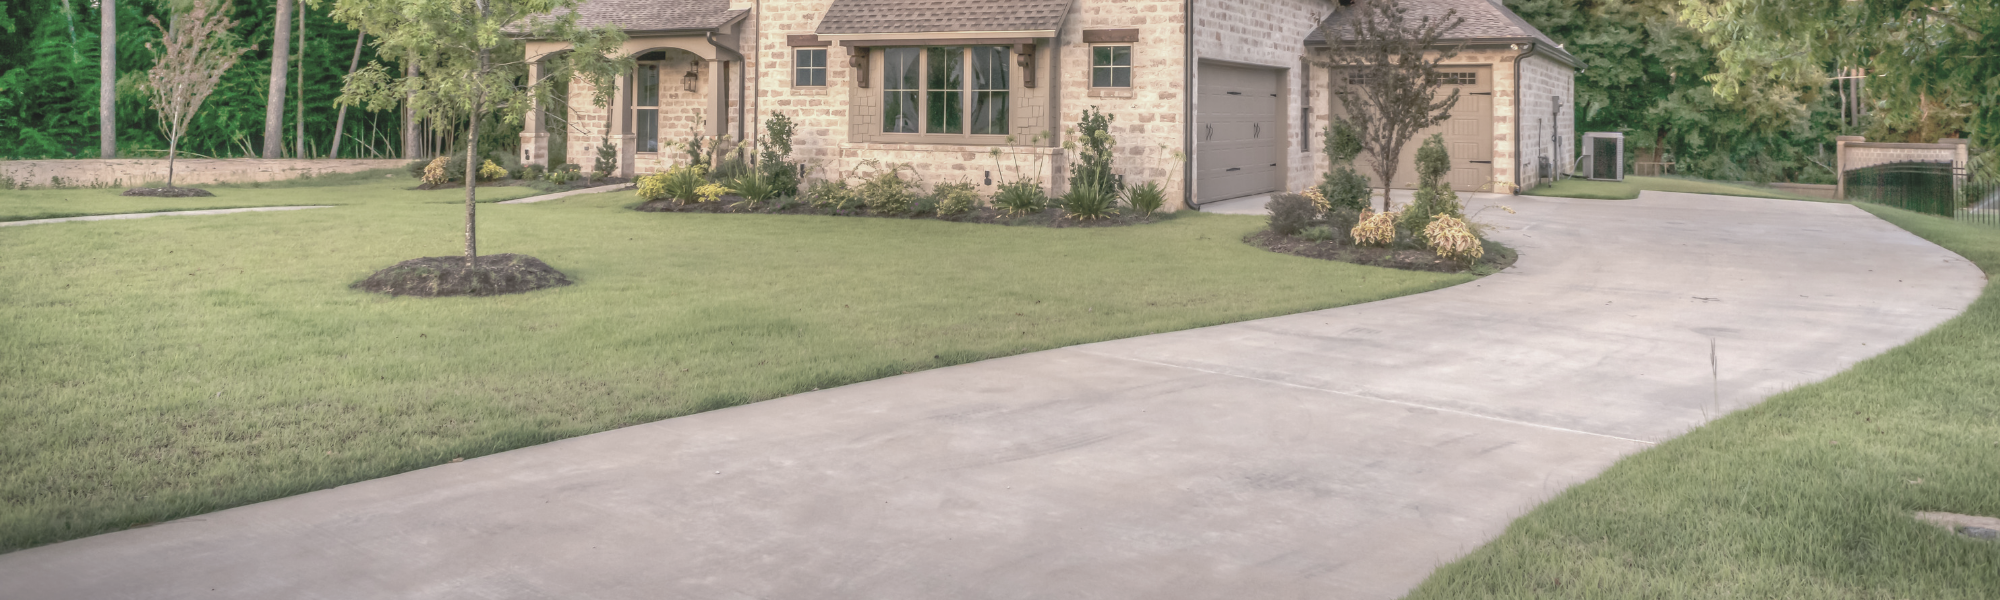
x=1100, y=56
x=649, y=130
x=802, y=77
x=947, y=113
x=649, y=85
x=989, y=113
x=945, y=104
x=947, y=69
x=818, y=57
x=899, y=111
x=989, y=68
x=819, y=76
x=1121, y=56
x=1121, y=76
x=899, y=68
x=1100, y=77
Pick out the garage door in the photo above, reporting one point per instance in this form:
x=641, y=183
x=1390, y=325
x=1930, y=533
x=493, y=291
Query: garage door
x=1239, y=140
x=1468, y=134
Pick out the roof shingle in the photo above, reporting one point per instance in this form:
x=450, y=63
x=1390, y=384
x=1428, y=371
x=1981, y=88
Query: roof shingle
x=655, y=15
x=941, y=16
x=1484, y=20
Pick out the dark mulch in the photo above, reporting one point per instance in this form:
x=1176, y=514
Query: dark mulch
x=1053, y=217
x=459, y=185
x=448, y=276
x=169, y=192
x=1410, y=259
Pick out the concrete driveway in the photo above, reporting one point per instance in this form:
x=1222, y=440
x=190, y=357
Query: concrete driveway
x=1335, y=454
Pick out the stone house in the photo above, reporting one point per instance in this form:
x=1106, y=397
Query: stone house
x=983, y=90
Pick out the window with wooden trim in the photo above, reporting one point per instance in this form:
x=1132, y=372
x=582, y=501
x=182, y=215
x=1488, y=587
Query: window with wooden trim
x=809, y=67
x=1111, y=66
x=647, y=103
x=926, y=90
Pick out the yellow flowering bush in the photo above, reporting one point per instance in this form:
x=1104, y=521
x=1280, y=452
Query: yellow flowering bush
x=489, y=171
x=1320, y=205
x=1453, y=240
x=1375, y=229
x=434, y=174
x=653, y=187
x=712, y=192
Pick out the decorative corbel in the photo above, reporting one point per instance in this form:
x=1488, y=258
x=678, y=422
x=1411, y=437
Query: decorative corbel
x=1026, y=60
x=857, y=57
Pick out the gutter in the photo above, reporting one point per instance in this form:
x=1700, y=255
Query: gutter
x=1187, y=106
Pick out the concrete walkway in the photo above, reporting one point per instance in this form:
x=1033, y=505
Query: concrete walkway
x=548, y=197
x=177, y=213
x=1341, y=453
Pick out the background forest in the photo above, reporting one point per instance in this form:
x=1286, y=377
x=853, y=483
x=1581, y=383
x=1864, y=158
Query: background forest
x=1726, y=89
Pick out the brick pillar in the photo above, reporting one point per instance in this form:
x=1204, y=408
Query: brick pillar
x=621, y=127
x=1840, y=163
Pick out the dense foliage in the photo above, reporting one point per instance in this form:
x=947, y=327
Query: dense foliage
x=48, y=85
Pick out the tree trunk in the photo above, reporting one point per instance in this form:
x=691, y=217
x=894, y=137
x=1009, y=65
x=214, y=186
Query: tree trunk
x=340, y=122
x=107, y=81
x=412, y=140
x=299, y=113
x=173, y=148
x=274, y=103
x=472, y=183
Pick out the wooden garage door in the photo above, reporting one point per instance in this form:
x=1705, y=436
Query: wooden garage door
x=1239, y=139
x=1468, y=134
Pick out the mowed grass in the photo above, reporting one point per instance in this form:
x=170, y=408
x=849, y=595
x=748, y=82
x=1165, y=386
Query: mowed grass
x=56, y=203
x=1807, y=495
x=1631, y=186
x=167, y=367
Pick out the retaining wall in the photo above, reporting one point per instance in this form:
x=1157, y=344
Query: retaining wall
x=135, y=172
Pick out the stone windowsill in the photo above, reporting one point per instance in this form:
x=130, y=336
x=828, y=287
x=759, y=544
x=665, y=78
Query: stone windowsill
x=1112, y=93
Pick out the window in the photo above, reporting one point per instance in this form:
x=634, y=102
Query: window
x=648, y=103
x=1454, y=78
x=809, y=67
x=1111, y=66
x=928, y=86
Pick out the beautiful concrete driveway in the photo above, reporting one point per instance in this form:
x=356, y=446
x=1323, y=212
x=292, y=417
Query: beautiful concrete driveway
x=1334, y=454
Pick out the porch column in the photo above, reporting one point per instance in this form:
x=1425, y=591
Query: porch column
x=621, y=128
x=718, y=100
x=534, y=135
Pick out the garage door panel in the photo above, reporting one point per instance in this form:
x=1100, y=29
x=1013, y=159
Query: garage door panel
x=1240, y=137
x=1468, y=136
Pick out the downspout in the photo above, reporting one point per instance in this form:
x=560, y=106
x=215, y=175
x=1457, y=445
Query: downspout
x=1516, y=117
x=728, y=53
x=757, y=82
x=1188, y=72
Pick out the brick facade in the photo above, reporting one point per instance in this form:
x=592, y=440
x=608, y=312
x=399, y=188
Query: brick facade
x=1548, y=119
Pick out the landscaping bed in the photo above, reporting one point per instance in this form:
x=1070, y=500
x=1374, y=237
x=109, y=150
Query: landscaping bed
x=1054, y=217
x=1495, y=258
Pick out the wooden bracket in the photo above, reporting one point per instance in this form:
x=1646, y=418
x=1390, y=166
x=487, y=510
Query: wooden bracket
x=857, y=57
x=1026, y=60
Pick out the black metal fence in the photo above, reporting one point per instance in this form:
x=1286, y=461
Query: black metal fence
x=1937, y=188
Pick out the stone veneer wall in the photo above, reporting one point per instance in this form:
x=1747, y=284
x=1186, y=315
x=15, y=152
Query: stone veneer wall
x=134, y=172
x=1500, y=58
x=1148, y=124
x=1541, y=79
x=1271, y=33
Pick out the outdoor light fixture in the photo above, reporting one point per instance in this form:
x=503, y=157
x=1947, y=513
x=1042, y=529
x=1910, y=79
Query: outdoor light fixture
x=693, y=76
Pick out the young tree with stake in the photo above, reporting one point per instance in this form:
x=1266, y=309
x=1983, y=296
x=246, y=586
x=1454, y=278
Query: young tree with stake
x=1386, y=77
x=471, y=62
x=192, y=55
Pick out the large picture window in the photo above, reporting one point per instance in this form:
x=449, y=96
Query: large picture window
x=648, y=104
x=929, y=86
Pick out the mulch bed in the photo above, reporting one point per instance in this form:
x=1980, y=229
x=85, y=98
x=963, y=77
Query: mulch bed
x=546, y=187
x=169, y=192
x=491, y=275
x=1053, y=217
x=1410, y=259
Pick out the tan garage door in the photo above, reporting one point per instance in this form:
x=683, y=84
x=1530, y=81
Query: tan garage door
x=1468, y=134
x=1239, y=140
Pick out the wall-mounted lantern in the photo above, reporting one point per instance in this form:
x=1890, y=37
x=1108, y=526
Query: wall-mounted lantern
x=693, y=76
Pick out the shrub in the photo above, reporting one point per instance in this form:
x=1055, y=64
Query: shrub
x=1020, y=197
x=754, y=187
x=955, y=198
x=416, y=168
x=1342, y=143
x=781, y=174
x=729, y=169
x=886, y=193
x=1089, y=200
x=1146, y=198
x=1432, y=161
x=1319, y=233
x=533, y=172
x=653, y=187
x=607, y=159
x=506, y=160
x=1375, y=229
x=435, y=173
x=833, y=196
x=1452, y=240
x=1292, y=213
x=454, y=167
x=1342, y=222
x=1429, y=203
x=712, y=192
x=564, y=174
x=1345, y=187
x=1093, y=147
x=682, y=184
x=489, y=171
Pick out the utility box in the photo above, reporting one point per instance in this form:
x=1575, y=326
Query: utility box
x=1604, y=156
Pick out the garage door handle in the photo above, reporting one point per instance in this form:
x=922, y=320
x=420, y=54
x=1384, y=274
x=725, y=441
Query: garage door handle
x=1256, y=130
x=1232, y=169
x=1481, y=162
x=1235, y=93
x=1210, y=129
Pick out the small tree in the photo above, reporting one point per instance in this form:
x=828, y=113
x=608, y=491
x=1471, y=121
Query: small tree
x=1342, y=186
x=470, y=62
x=193, y=54
x=1385, y=80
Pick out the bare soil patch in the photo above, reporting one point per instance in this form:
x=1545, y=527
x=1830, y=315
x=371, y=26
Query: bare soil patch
x=169, y=192
x=1052, y=217
x=491, y=275
x=1410, y=259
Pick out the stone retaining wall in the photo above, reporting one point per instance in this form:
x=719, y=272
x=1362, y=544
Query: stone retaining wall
x=136, y=172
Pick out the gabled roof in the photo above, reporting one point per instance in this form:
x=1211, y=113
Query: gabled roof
x=656, y=15
x=850, y=17
x=1485, y=21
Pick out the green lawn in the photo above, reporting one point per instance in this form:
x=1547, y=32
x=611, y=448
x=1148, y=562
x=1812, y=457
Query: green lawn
x=166, y=367
x=1807, y=495
x=54, y=203
x=1631, y=186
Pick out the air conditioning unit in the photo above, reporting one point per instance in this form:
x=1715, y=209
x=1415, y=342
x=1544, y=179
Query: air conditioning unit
x=1603, y=156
